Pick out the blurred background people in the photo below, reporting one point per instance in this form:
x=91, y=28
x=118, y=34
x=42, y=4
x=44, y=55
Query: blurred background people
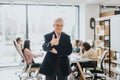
x=76, y=46
x=19, y=42
x=86, y=51
x=29, y=55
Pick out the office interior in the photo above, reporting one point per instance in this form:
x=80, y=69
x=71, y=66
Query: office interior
x=94, y=21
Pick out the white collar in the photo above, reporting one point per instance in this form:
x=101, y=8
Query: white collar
x=58, y=36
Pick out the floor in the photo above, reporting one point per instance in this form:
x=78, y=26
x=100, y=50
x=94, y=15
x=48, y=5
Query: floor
x=10, y=74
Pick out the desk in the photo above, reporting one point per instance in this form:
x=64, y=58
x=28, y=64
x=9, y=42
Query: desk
x=74, y=58
x=116, y=61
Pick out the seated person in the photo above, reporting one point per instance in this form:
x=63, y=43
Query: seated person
x=76, y=46
x=29, y=55
x=86, y=51
x=19, y=42
x=76, y=49
x=91, y=42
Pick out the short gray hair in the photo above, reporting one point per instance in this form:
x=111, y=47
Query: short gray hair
x=58, y=19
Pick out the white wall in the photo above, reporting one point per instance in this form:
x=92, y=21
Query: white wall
x=115, y=31
x=86, y=12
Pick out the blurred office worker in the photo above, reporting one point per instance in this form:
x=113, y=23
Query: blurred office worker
x=19, y=42
x=76, y=46
x=88, y=52
x=29, y=55
x=58, y=46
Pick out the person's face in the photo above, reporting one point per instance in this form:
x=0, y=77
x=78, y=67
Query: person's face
x=58, y=26
x=82, y=48
x=20, y=41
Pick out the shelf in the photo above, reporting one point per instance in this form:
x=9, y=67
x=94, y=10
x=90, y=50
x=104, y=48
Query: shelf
x=106, y=18
x=99, y=34
x=99, y=40
x=103, y=18
x=113, y=69
x=105, y=36
x=102, y=35
x=116, y=61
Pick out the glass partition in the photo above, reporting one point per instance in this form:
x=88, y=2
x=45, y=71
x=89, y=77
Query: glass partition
x=12, y=25
x=41, y=20
x=16, y=22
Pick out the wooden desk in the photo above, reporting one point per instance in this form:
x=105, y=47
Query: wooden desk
x=80, y=70
x=77, y=59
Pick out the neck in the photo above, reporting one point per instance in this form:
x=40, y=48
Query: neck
x=57, y=33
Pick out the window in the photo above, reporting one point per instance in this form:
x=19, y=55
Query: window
x=13, y=24
x=41, y=20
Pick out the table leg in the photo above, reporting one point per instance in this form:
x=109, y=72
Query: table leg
x=81, y=72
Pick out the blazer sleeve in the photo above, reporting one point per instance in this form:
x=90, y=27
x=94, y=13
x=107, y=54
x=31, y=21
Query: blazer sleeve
x=47, y=46
x=66, y=49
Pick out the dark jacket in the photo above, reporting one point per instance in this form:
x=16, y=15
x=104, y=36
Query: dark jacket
x=64, y=49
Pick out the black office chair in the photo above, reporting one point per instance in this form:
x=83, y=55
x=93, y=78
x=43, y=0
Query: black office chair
x=100, y=69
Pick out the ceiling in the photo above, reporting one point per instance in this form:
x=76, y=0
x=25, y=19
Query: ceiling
x=62, y=2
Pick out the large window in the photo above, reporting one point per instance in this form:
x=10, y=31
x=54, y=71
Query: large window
x=12, y=23
x=34, y=21
x=41, y=20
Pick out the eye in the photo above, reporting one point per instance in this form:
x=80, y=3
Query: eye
x=59, y=25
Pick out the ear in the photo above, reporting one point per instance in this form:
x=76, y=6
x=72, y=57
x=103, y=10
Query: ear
x=54, y=25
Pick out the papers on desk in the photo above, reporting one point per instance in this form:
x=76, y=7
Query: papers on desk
x=77, y=58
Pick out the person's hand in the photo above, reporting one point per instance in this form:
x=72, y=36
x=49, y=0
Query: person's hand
x=54, y=41
x=40, y=55
x=80, y=47
x=81, y=50
x=53, y=51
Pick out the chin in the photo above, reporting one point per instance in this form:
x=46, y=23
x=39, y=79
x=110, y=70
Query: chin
x=59, y=31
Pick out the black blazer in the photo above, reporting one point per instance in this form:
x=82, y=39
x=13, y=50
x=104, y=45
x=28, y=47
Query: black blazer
x=64, y=49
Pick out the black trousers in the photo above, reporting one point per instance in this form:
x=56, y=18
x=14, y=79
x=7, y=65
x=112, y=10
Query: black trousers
x=57, y=73
x=34, y=65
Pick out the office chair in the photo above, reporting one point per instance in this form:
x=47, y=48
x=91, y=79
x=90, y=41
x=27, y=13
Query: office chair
x=100, y=70
x=27, y=69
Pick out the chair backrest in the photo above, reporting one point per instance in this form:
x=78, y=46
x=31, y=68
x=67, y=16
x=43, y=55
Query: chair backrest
x=26, y=68
x=18, y=49
x=20, y=53
x=102, y=58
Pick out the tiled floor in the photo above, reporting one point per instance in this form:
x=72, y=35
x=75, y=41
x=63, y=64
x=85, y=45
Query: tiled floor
x=9, y=74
